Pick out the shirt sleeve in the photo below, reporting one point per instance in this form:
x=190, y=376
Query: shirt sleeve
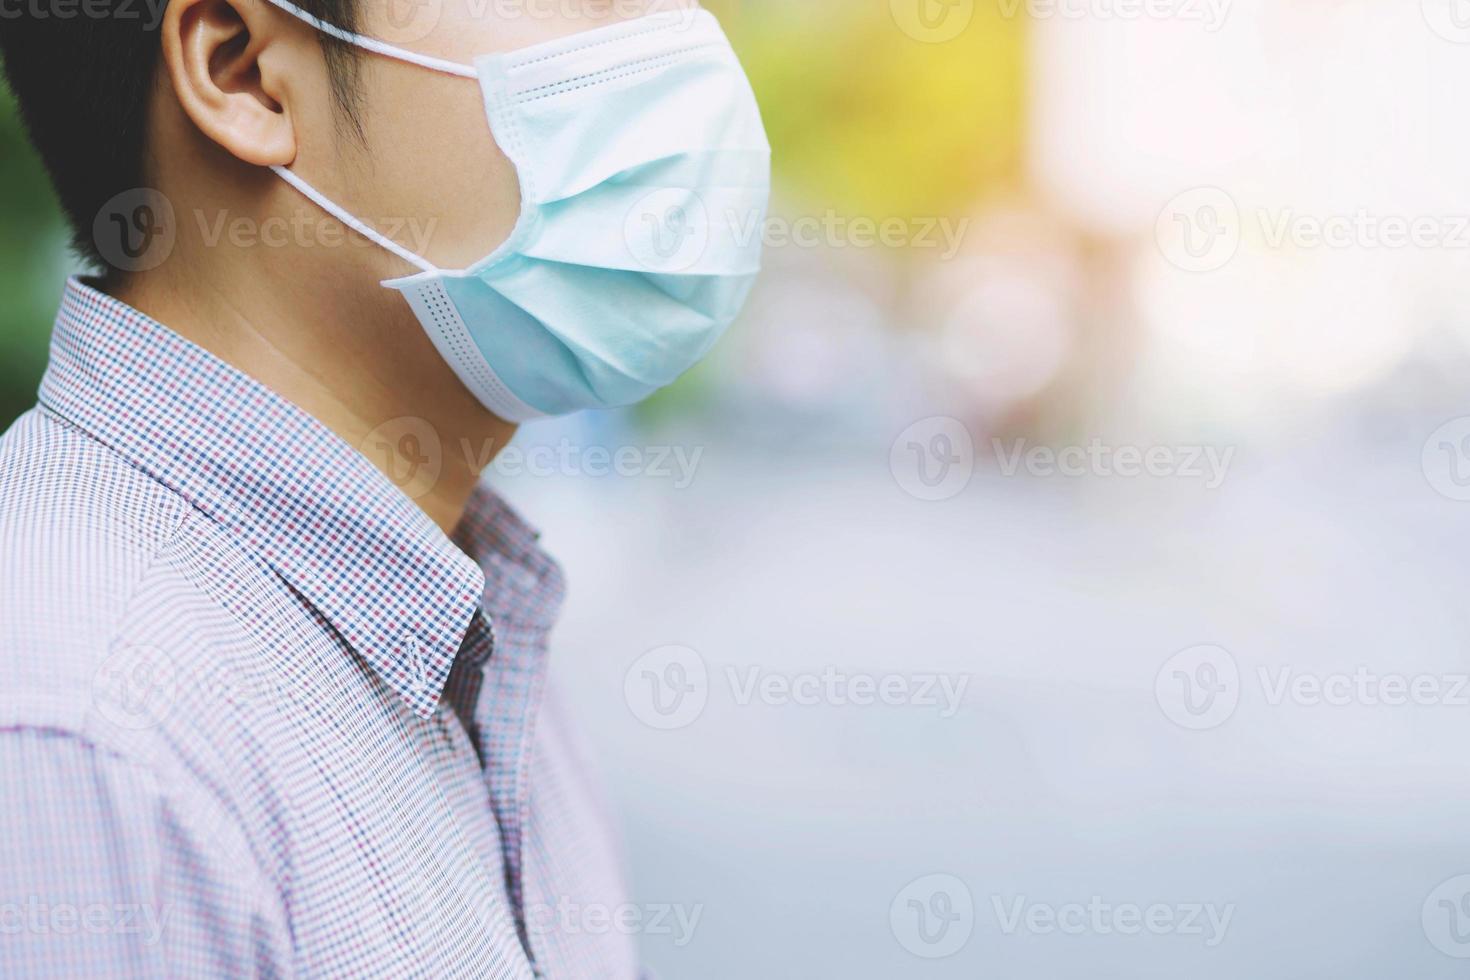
x=108, y=871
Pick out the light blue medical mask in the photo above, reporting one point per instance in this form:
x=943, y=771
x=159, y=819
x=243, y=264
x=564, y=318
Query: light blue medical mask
x=645, y=176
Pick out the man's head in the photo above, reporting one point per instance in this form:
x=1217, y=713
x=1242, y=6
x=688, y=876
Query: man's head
x=193, y=98
x=236, y=130
x=195, y=101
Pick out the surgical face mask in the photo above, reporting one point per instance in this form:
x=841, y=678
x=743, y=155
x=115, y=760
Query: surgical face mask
x=644, y=174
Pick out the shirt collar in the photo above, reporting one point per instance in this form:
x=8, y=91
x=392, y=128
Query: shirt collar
x=524, y=586
x=313, y=508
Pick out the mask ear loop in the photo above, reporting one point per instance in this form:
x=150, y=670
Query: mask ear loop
x=376, y=46
x=331, y=207
x=389, y=51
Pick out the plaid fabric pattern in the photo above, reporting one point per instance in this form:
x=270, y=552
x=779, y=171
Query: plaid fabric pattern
x=260, y=716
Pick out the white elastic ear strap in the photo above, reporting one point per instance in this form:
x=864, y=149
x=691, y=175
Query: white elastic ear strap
x=376, y=46
x=329, y=206
x=389, y=51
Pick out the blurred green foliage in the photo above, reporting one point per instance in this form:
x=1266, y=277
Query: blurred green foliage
x=32, y=264
x=870, y=122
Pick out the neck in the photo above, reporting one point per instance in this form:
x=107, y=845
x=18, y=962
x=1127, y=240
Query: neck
x=357, y=362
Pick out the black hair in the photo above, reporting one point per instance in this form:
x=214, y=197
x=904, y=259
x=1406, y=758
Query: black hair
x=82, y=73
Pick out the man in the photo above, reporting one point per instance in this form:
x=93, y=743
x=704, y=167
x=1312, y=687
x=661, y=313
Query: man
x=274, y=667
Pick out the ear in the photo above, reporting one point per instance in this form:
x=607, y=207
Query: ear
x=230, y=62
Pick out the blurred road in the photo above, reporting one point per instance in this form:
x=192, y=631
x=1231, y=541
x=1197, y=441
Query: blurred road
x=1067, y=788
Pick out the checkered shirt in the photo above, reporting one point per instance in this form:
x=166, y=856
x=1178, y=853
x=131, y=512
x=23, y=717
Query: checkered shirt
x=259, y=715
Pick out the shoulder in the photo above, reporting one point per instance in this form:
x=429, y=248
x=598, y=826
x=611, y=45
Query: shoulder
x=78, y=524
x=80, y=529
x=115, y=633
x=112, y=622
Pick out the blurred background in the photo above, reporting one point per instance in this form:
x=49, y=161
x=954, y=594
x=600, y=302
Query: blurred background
x=1060, y=570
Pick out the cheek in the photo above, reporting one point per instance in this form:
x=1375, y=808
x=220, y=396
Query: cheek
x=433, y=169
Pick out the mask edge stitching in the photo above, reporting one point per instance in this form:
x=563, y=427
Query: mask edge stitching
x=595, y=78
x=517, y=65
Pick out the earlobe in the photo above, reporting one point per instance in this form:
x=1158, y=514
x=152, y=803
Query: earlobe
x=215, y=54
